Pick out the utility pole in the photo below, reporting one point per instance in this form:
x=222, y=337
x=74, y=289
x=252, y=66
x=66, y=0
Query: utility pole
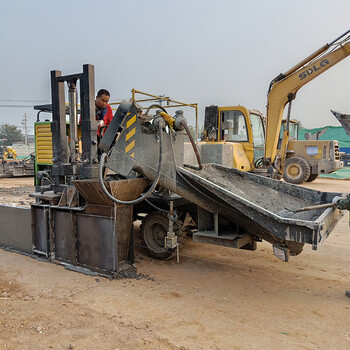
x=24, y=122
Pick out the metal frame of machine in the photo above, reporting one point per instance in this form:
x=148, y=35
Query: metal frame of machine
x=170, y=103
x=81, y=229
x=84, y=218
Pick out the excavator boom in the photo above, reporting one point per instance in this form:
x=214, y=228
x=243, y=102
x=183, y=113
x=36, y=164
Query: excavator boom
x=283, y=90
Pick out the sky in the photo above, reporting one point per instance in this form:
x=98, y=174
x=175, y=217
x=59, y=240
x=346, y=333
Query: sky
x=207, y=52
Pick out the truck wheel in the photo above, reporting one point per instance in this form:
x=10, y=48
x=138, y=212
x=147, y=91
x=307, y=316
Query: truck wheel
x=312, y=177
x=153, y=231
x=296, y=170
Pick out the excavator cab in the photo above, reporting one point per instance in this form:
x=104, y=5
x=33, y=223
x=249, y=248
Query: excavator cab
x=241, y=129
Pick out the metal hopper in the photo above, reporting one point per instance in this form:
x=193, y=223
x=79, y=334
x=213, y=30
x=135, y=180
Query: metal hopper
x=260, y=205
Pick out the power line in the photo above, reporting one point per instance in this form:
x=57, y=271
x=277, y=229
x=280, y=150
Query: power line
x=17, y=106
x=18, y=100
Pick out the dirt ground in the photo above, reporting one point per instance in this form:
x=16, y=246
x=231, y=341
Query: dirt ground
x=216, y=298
x=15, y=191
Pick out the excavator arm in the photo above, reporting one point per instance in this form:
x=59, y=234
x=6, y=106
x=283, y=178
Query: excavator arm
x=283, y=90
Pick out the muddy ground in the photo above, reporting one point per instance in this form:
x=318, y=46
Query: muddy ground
x=216, y=298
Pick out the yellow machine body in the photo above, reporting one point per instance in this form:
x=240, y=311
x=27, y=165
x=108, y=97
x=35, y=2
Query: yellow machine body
x=234, y=137
x=43, y=143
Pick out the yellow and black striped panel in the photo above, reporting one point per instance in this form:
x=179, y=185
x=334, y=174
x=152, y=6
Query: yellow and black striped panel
x=130, y=135
x=43, y=143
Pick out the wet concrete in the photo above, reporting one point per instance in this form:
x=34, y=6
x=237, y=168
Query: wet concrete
x=270, y=198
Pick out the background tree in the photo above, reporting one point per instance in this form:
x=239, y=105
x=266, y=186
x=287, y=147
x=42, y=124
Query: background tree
x=10, y=133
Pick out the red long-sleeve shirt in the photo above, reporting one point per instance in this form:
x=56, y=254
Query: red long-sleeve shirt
x=106, y=115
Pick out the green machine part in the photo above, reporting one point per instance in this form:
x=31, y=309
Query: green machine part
x=43, y=147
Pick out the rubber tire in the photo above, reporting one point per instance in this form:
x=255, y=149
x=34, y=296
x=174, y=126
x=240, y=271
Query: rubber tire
x=296, y=170
x=154, y=228
x=312, y=177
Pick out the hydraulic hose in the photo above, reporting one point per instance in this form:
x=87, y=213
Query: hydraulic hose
x=151, y=189
x=156, y=207
x=184, y=124
x=156, y=105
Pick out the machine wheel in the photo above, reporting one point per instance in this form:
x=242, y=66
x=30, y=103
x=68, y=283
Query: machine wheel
x=153, y=231
x=312, y=177
x=296, y=170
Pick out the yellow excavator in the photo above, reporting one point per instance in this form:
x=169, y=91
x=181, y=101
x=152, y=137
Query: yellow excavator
x=242, y=145
x=8, y=153
x=236, y=136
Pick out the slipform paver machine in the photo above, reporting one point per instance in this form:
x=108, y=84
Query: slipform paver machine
x=86, y=202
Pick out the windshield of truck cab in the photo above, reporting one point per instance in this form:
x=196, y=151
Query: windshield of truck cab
x=234, y=126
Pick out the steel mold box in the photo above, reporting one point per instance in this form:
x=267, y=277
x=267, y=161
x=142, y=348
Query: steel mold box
x=64, y=236
x=96, y=242
x=40, y=226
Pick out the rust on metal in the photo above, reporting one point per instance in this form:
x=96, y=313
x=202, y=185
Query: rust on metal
x=92, y=192
x=128, y=190
x=125, y=190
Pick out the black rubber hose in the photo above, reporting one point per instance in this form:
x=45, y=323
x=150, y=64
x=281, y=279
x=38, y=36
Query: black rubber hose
x=194, y=148
x=156, y=105
x=156, y=207
x=151, y=189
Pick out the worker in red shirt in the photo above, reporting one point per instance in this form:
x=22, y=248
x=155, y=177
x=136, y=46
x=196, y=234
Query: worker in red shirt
x=104, y=112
